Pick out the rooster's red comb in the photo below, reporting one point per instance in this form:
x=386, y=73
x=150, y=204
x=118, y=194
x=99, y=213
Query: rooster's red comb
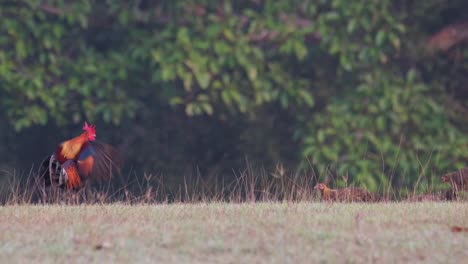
x=87, y=127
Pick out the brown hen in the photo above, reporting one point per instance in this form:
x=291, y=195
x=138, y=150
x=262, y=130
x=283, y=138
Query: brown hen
x=458, y=179
x=349, y=194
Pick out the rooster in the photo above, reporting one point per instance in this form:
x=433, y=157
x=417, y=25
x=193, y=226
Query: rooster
x=344, y=194
x=79, y=159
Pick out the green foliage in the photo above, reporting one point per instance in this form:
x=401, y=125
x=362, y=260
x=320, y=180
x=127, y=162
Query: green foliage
x=50, y=70
x=388, y=125
x=344, y=83
x=393, y=125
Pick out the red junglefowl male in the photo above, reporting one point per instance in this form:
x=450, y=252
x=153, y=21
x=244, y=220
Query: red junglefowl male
x=344, y=194
x=79, y=159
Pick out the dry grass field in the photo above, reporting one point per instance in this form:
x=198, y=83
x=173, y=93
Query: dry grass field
x=235, y=233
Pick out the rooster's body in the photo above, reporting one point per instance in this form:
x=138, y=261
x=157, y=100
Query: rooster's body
x=78, y=159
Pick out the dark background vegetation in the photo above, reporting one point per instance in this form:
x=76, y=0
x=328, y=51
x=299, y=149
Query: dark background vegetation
x=375, y=91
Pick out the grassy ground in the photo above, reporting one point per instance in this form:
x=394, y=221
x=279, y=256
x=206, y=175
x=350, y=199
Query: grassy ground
x=235, y=233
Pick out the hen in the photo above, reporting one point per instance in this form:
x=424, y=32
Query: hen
x=344, y=194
